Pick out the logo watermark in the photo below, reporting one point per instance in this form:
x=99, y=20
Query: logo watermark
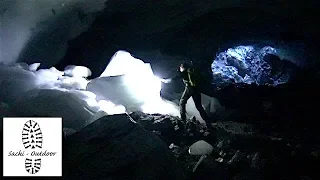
x=32, y=147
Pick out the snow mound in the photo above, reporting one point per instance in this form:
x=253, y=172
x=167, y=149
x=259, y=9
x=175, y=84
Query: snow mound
x=27, y=91
x=14, y=80
x=77, y=71
x=130, y=82
x=55, y=103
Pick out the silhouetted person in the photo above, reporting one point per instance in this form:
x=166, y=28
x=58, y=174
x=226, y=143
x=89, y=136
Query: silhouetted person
x=192, y=80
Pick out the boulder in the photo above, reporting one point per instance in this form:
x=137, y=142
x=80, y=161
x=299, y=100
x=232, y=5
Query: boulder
x=114, y=147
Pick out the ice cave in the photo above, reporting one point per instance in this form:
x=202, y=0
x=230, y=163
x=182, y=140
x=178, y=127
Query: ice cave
x=106, y=68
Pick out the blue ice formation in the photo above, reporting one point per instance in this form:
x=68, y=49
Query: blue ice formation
x=246, y=64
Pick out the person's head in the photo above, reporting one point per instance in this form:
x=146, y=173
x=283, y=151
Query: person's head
x=183, y=67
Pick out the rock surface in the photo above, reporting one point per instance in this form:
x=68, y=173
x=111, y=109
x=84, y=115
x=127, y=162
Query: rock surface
x=240, y=150
x=114, y=147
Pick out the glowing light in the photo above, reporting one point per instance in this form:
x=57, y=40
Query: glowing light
x=144, y=85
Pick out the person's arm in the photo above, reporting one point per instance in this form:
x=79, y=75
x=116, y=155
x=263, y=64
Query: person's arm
x=168, y=80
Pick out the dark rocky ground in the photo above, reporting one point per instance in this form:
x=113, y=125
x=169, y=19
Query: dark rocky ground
x=241, y=150
x=261, y=133
x=114, y=147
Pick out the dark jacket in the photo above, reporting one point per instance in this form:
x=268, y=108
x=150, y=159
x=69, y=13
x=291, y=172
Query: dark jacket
x=190, y=77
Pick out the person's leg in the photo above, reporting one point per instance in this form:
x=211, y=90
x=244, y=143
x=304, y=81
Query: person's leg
x=196, y=96
x=183, y=101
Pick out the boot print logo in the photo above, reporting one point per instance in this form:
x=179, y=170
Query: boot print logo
x=31, y=135
x=33, y=165
x=32, y=146
x=32, y=139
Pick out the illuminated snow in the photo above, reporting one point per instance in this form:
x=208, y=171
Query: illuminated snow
x=140, y=82
x=132, y=86
x=73, y=82
x=77, y=71
x=160, y=106
x=48, y=92
x=143, y=83
x=34, y=66
x=122, y=63
x=111, y=108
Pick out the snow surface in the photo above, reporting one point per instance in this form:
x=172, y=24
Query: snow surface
x=26, y=91
x=130, y=82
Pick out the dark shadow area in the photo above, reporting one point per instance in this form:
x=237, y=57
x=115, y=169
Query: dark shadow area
x=48, y=44
x=198, y=40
